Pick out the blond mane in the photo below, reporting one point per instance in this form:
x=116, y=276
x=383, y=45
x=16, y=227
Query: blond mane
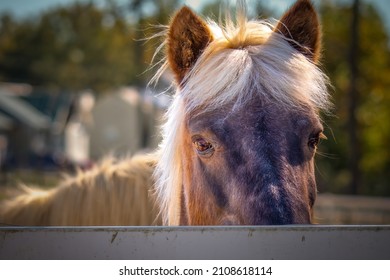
x=114, y=193
x=245, y=58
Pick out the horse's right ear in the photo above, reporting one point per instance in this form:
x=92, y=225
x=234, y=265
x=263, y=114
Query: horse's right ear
x=188, y=36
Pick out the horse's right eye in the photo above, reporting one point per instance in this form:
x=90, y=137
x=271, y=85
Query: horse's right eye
x=202, y=146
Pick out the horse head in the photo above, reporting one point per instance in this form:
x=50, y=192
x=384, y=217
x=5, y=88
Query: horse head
x=242, y=131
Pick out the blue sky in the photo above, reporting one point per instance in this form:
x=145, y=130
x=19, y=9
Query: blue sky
x=26, y=8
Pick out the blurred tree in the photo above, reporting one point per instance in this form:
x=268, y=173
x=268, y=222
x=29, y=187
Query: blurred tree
x=152, y=15
x=353, y=101
x=72, y=48
x=15, y=57
x=372, y=108
x=83, y=46
x=255, y=9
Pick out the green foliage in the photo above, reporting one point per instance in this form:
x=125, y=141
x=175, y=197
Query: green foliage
x=82, y=46
x=373, y=108
x=72, y=48
x=255, y=9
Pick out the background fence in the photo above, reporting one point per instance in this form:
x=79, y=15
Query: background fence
x=352, y=210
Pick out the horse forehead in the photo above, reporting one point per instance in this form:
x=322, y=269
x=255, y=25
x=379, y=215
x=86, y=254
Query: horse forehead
x=208, y=120
x=272, y=117
x=253, y=115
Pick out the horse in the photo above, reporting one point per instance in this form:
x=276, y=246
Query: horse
x=114, y=193
x=240, y=136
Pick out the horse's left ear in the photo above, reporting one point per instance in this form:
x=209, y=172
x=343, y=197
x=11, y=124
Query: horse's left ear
x=300, y=23
x=188, y=36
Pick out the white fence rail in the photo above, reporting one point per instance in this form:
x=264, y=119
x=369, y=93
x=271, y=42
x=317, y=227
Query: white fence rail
x=264, y=242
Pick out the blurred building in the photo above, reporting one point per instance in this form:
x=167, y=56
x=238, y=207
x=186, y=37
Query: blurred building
x=120, y=123
x=45, y=130
x=23, y=129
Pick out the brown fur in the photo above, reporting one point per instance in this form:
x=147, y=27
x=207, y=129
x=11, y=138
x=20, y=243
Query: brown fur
x=187, y=39
x=116, y=192
x=300, y=23
x=195, y=198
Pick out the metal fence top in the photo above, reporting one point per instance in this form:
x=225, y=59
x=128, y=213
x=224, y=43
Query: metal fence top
x=233, y=242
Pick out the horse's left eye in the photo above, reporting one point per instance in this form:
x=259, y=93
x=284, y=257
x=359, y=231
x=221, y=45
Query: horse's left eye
x=203, y=147
x=315, y=139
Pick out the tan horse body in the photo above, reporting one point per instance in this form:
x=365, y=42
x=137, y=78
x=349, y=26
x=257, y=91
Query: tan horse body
x=114, y=193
